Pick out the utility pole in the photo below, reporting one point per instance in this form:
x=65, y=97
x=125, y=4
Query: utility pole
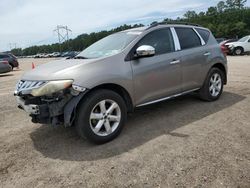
x=12, y=46
x=62, y=34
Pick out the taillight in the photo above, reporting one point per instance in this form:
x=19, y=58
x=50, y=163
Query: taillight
x=5, y=62
x=223, y=50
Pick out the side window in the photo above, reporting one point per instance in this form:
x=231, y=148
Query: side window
x=4, y=56
x=161, y=40
x=188, y=38
x=204, y=34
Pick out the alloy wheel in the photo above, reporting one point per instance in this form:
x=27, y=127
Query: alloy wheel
x=238, y=51
x=105, y=117
x=215, y=85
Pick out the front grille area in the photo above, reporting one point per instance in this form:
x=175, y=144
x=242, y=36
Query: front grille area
x=28, y=85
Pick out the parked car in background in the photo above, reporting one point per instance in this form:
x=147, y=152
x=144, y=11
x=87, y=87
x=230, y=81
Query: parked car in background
x=46, y=56
x=38, y=56
x=5, y=67
x=56, y=54
x=224, y=48
x=69, y=54
x=239, y=47
x=95, y=90
x=219, y=40
x=10, y=58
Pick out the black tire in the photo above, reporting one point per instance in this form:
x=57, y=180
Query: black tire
x=238, y=51
x=82, y=122
x=12, y=67
x=204, y=92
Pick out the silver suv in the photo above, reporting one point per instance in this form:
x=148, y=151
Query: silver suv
x=133, y=68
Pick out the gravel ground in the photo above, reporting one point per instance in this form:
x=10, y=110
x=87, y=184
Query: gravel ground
x=183, y=142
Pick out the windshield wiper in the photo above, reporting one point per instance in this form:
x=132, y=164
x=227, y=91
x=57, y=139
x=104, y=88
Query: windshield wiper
x=80, y=57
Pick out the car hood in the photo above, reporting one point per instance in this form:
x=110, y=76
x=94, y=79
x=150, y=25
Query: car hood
x=59, y=69
x=234, y=43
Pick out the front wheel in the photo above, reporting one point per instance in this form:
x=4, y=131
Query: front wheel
x=101, y=116
x=213, y=85
x=238, y=51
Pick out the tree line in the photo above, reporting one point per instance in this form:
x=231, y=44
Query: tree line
x=229, y=19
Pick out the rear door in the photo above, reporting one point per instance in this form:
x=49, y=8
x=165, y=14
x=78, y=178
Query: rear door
x=194, y=55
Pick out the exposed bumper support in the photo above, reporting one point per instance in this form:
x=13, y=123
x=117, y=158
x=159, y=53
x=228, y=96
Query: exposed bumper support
x=31, y=109
x=57, y=112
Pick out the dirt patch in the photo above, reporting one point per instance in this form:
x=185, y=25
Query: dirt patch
x=183, y=142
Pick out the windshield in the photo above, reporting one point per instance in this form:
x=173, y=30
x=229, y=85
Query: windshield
x=109, y=45
x=244, y=39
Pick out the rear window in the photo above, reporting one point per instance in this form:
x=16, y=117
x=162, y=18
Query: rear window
x=4, y=56
x=188, y=38
x=204, y=34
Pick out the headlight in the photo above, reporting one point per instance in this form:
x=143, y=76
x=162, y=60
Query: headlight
x=51, y=87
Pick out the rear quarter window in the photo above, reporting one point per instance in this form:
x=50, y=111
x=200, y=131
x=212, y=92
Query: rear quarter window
x=188, y=38
x=204, y=34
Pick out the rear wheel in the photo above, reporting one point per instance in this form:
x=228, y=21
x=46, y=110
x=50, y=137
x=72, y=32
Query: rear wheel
x=213, y=85
x=101, y=116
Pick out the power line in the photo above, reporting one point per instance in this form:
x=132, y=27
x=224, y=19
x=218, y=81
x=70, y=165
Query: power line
x=62, y=34
x=12, y=46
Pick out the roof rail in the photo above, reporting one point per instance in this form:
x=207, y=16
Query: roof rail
x=153, y=25
x=172, y=22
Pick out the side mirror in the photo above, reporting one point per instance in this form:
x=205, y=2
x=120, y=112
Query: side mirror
x=145, y=51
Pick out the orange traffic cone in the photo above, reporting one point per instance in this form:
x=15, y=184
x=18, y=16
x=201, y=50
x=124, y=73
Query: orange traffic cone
x=33, y=65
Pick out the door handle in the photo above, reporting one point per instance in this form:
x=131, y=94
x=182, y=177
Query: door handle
x=175, y=62
x=207, y=54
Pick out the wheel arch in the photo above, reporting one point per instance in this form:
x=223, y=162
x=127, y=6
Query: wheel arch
x=223, y=69
x=119, y=90
x=239, y=47
x=71, y=108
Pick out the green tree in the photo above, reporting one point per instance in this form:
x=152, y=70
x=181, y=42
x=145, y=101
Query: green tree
x=212, y=11
x=202, y=14
x=234, y=4
x=190, y=14
x=221, y=6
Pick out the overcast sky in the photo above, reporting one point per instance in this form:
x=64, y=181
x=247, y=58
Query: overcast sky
x=31, y=22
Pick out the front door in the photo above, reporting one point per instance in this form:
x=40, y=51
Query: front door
x=158, y=76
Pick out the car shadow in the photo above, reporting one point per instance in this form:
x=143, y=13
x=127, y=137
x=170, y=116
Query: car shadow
x=145, y=124
x=16, y=69
x=5, y=75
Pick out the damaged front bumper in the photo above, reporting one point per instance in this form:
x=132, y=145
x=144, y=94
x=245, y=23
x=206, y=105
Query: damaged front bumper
x=31, y=109
x=57, y=109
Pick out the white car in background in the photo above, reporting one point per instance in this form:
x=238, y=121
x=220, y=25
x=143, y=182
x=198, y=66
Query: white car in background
x=240, y=47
